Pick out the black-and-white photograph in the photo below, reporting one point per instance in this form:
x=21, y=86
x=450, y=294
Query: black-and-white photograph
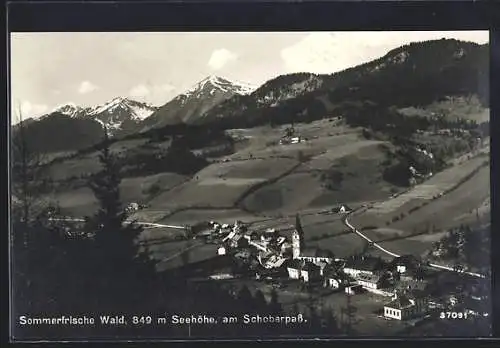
x=242, y=185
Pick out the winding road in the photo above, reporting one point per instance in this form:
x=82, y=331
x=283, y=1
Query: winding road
x=376, y=245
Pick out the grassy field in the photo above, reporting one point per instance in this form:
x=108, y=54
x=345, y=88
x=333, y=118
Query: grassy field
x=286, y=186
x=138, y=189
x=477, y=187
x=468, y=108
x=81, y=201
x=304, y=189
x=441, y=212
x=74, y=167
x=78, y=202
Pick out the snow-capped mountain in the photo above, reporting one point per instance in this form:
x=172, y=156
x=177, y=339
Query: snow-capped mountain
x=192, y=105
x=118, y=114
x=69, y=109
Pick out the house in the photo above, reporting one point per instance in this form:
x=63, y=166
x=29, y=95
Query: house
x=363, y=265
x=309, y=272
x=293, y=268
x=317, y=256
x=342, y=209
x=132, y=207
x=303, y=270
x=405, y=263
x=221, y=250
x=335, y=279
x=238, y=241
x=405, y=306
x=369, y=281
x=354, y=289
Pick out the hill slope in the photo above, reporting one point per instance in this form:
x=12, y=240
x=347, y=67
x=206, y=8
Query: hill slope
x=412, y=75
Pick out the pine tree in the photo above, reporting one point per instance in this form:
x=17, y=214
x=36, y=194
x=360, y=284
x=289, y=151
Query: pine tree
x=120, y=271
x=274, y=304
x=349, y=315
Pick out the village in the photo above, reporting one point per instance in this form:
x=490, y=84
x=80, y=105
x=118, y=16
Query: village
x=407, y=289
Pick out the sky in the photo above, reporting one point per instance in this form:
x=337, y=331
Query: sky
x=88, y=69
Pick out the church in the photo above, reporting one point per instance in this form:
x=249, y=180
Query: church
x=317, y=256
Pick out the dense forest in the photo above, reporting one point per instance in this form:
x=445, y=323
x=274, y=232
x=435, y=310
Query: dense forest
x=60, y=133
x=403, y=77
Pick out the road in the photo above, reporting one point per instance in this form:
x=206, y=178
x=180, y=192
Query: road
x=376, y=245
x=146, y=224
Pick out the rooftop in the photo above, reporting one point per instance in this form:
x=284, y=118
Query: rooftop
x=302, y=265
x=316, y=252
x=365, y=263
x=400, y=303
x=368, y=278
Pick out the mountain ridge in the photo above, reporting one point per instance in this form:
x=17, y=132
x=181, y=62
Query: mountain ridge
x=415, y=74
x=192, y=105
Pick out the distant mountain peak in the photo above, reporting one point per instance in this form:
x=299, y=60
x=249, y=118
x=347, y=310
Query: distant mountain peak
x=211, y=83
x=68, y=109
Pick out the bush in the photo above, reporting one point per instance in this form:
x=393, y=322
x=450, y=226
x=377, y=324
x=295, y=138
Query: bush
x=153, y=189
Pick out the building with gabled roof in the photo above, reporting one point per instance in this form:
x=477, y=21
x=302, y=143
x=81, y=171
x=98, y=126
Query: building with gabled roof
x=303, y=270
x=363, y=264
x=334, y=278
x=369, y=281
x=406, y=305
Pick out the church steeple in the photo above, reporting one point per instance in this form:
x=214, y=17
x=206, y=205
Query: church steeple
x=298, y=243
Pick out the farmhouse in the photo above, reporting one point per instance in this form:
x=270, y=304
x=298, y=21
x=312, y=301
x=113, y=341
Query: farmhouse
x=369, y=281
x=303, y=270
x=405, y=306
x=363, y=264
x=335, y=279
x=405, y=263
x=221, y=250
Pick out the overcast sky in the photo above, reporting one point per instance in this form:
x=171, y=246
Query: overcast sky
x=50, y=69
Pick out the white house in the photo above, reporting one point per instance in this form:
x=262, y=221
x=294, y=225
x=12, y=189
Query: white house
x=336, y=280
x=369, y=281
x=221, y=251
x=303, y=270
x=403, y=307
x=363, y=265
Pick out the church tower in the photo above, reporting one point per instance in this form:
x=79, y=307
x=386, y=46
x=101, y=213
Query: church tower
x=297, y=238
